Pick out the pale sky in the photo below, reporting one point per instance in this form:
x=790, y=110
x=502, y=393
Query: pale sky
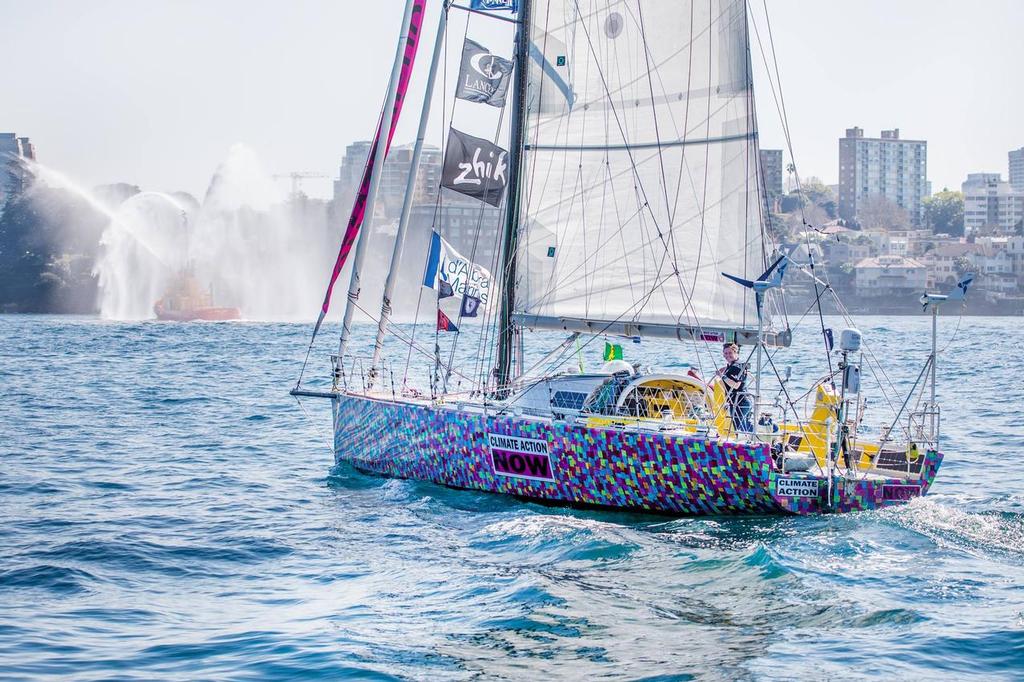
x=155, y=92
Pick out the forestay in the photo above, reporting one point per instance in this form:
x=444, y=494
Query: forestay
x=640, y=184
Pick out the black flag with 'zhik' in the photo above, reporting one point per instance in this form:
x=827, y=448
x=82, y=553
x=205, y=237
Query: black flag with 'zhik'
x=475, y=167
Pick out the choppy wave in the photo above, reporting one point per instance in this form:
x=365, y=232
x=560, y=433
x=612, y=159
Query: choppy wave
x=168, y=513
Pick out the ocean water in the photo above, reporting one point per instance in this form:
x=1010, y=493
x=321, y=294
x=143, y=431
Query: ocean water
x=167, y=511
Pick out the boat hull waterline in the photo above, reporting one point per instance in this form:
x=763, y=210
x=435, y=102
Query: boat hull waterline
x=572, y=464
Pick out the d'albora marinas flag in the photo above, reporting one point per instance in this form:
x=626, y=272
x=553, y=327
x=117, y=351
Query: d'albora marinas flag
x=452, y=274
x=475, y=167
x=483, y=77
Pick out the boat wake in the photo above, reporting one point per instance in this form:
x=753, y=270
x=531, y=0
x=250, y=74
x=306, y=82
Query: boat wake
x=972, y=532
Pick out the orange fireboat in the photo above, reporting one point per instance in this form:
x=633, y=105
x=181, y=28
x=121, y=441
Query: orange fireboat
x=186, y=300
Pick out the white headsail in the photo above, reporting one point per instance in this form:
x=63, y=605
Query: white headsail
x=640, y=184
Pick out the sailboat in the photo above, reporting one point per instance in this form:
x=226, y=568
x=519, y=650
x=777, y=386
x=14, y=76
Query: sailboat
x=632, y=207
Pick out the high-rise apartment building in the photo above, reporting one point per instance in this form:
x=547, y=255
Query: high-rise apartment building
x=1017, y=169
x=394, y=177
x=991, y=205
x=14, y=175
x=887, y=167
x=771, y=171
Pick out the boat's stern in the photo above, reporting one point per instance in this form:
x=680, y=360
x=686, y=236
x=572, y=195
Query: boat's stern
x=846, y=491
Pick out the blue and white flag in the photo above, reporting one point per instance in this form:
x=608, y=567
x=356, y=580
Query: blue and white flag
x=487, y=5
x=470, y=304
x=452, y=274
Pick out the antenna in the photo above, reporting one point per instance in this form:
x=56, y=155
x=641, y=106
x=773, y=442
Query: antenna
x=934, y=300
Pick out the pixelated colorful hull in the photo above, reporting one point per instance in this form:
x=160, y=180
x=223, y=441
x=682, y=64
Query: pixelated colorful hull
x=576, y=465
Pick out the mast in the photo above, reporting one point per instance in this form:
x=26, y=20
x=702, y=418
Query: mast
x=410, y=188
x=506, y=329
x=378, y=165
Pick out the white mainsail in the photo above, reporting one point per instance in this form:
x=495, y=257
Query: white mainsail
x=640, y=182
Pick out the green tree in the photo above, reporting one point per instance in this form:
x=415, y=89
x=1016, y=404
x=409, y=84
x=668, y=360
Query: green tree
x=48, y=242
x=944, y=212
x=820, y=194
x=791, y=202
x=876, y=212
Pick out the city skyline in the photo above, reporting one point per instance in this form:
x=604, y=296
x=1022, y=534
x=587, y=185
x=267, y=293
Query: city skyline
x=157, y=97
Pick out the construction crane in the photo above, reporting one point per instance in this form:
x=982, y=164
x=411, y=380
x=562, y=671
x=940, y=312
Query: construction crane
x=297, y=178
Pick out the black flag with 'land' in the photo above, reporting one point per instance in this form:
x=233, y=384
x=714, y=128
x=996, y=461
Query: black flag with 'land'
x=483, y=77
x=475, y=167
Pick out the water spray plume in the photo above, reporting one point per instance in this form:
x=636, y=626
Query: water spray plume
x=245, y=242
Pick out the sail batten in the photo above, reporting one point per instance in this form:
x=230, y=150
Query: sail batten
x=660, y=144
x=640, y=184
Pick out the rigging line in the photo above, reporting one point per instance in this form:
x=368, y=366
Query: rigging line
x=437, y=347
x=404, y=339
x=642, y=161
x=437, y=199
x=707, y=160
x=869, y=355
x=437, y=202
x=578, y=182
x=638, y=183
x=641, y=246
x=564, y=281
x=847, y=318
x=380, y=119
x=488, y=349
x=593, y=336
x=661, y=156
x=476, y=240
x=550, y=166
x=524, y=63
x=686, y=122
x=682, y=156
x=596, y=103
x=789, y=399
x=752, y=124
x=316, y=423
x=567, y=343
x=763, y=208
x=956, y=331
x=622, y=238
x=609, y=181
x=690, y=92
x=781, y=106
x=489, y=321
x=688, y=311
x=419, y=296
x=868, y=350
x=305, y=361
x=485, y=349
